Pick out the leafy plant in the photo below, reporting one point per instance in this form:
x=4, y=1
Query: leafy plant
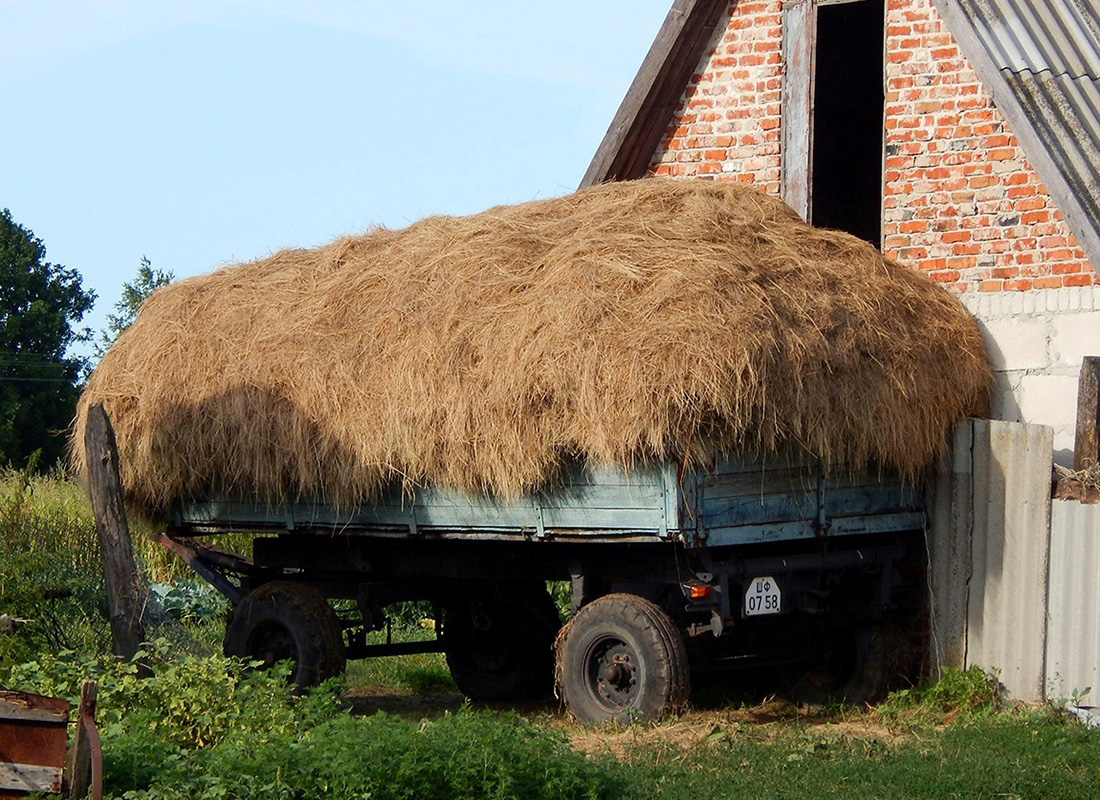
x=969, y=691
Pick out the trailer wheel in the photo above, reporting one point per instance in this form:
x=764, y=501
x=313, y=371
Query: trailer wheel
x=621, y=658
x=855, y=666
x=499, y=640
x=282, y=621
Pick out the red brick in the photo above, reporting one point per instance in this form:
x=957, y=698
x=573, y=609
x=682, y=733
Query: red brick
x=1086, y=279
x=1047, y=283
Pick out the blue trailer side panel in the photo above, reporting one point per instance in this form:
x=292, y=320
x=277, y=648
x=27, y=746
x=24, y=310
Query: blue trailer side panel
x=754, y=501
x=588, y=501
x=734, y=502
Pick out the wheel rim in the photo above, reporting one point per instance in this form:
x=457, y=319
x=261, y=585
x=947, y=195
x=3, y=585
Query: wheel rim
x=612, y=674
x=271, y=643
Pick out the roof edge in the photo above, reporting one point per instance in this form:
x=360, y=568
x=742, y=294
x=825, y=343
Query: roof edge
x=635, y=131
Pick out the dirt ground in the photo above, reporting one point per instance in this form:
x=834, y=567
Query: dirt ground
x=705, y=723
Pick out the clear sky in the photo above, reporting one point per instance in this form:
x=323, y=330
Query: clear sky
x=204, y=132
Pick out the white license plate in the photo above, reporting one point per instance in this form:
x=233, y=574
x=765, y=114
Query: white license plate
x=763, y=596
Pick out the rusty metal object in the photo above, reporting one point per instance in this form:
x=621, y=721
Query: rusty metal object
x=33, y=732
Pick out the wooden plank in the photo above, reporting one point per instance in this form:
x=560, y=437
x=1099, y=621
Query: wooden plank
x=724, y=536
x=1086, y=444
x=10, y=712
x=635, y=131
x=127, y=595
x=799, y=47
x=29, y=778
x=758, y=511
x=759, y=484
x=84, y=765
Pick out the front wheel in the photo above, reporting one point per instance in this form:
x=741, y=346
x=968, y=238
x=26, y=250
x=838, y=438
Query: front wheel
x=621, y=658
x=287, y=621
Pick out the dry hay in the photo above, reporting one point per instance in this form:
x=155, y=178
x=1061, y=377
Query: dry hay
x=626, y=322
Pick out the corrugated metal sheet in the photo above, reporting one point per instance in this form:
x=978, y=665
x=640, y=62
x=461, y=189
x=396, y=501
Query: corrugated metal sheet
x=1045, y=55
x=1006, y=609
x=1038, y=35
x=1073, y=636
x=951, y=520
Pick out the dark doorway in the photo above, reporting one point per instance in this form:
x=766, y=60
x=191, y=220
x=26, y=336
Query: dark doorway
x=847, y=119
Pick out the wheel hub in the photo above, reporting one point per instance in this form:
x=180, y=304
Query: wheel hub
x=614, y=674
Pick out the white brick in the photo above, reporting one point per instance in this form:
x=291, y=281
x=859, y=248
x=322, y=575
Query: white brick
x=1017, y=343
x=1074, y=336
x=1048, y=399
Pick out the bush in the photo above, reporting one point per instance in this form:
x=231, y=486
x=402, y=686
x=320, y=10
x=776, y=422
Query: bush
x=49, y=567
x=969, y=691
x=210, y=727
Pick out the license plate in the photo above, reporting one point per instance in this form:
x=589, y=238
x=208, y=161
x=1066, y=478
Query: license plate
x=763, y=596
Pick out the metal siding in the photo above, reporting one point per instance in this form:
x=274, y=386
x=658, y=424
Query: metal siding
x=1073, y=639
x=1006, y=609
x=951, y=521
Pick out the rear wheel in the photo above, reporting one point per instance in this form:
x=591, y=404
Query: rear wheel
x=855, y=665
x=499, y=640
x=286, y=621
x=622, y=658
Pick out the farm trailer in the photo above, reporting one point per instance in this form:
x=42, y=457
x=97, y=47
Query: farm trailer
x=672, y=570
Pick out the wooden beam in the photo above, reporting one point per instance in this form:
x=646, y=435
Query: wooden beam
x=799, y=35
x=635, y=132
x=126, y=591
x=84, y=765
x=1086, y=444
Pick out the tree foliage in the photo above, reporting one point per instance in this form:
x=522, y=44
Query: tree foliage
x=134, y=293
x=40, y=305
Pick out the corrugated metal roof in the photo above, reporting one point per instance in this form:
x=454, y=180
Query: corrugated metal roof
x=1045, y=56
x=1039, y=35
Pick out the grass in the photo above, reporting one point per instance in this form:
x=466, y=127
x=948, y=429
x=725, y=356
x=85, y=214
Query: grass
x=167, y=738
x=1022, y=754
x=422, y=673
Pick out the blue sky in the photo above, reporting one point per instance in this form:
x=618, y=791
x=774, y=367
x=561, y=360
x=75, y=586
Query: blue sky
x=204, y=132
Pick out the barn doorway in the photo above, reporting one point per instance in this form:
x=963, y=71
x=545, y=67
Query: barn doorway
x=848, y=118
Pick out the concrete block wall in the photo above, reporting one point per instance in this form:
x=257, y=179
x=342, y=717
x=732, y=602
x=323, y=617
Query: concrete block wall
x=1036, y=341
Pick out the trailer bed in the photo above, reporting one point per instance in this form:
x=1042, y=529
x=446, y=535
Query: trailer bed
x=732, y=503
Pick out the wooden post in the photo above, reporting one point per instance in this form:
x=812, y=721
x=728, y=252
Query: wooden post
x=84, y=765
x=126, y=591
x=1086, y=445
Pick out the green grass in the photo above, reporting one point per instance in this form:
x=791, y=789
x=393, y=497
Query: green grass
x=1031, y=754
x=422, y=673
x=203, y=727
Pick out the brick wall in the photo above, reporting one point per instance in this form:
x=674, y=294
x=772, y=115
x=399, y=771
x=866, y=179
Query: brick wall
x=727, y=124
x=961, y=200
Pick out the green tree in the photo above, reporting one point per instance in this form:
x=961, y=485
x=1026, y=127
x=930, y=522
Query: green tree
x=40, y=303
x=134, y=293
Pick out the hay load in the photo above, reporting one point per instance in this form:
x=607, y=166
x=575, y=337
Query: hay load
x=623, y=323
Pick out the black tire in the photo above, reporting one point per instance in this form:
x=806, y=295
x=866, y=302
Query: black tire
x=499, y=640
x=856, y=666
x=621, y=658
x=281, y=621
